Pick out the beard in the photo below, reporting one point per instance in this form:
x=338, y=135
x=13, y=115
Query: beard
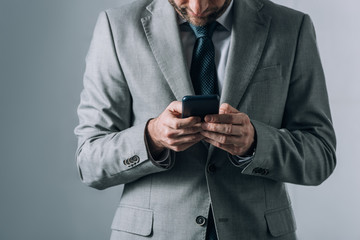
x=214, y=13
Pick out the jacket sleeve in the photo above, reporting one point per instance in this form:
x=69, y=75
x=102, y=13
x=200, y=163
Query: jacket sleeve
x=111, y=151
x=302, y=151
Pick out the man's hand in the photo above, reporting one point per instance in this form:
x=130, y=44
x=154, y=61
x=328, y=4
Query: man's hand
x=170, y=131
x=229, y=130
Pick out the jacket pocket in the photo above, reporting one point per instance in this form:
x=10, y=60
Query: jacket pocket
x=267, y=73
x=280, y=221
x=133, y=220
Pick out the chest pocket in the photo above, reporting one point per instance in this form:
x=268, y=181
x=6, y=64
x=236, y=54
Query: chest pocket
x=267, y=73
x=265, y=96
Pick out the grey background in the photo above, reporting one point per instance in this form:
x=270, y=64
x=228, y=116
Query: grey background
x=43, y=44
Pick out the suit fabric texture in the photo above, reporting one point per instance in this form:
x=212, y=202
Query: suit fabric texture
x=134, y=71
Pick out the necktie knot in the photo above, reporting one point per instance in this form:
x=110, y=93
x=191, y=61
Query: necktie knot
x=204, y=31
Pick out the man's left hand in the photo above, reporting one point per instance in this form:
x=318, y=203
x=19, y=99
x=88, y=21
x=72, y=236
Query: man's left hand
x=229, y=130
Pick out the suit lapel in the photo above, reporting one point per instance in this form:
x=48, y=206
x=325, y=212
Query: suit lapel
x=162, y=33
x=249, y=35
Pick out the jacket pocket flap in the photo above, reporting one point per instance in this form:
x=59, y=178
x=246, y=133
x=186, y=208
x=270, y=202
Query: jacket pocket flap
x=133, y=220
x=280, y=221
x=267, y=73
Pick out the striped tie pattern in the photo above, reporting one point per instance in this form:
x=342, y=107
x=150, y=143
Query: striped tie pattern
x=203, y=69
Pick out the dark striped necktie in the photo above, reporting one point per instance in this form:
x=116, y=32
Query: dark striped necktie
x=203, y=69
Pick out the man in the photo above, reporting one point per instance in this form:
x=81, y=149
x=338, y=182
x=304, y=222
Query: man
x=218, y=179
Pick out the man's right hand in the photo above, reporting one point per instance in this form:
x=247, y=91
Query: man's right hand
x=171, y=131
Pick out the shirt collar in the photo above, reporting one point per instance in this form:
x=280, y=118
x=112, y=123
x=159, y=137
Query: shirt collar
x=225, y=20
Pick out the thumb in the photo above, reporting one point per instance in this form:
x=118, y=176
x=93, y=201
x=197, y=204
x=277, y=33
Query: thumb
x=226, y=108
x=175, y=107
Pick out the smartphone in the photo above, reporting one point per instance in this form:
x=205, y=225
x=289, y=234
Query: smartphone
x=200, y=105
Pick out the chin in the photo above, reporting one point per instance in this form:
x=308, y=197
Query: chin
x=199, y=21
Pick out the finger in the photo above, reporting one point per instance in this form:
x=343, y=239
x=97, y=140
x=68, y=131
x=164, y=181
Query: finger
x=231, y=118
x=181, y=123
x=175, y=109
x=223, y=138
x=175, y=106
x=174, y=133
x=227, y=108
x=229, y=129
x=179, y=141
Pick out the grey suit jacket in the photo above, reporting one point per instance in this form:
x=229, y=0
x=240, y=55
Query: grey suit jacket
x=135, y=67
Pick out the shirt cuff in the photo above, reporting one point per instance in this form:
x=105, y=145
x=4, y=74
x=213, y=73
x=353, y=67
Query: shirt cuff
x=163, y=160
x=242, y=161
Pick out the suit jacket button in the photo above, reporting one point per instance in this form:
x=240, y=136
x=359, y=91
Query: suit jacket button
x=211, y=168
x=200, y=220
x=136, y=159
